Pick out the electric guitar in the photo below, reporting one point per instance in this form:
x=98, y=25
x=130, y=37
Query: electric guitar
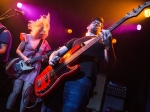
x=17, y=66
x=51, y=78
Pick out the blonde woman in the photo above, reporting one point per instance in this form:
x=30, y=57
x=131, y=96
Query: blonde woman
x=26, y=51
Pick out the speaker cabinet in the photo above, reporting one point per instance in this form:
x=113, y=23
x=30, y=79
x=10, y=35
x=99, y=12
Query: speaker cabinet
x=114, y=98
x=96, y=100
x=113, y=103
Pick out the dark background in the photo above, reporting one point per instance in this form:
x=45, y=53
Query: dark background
x=132, y=48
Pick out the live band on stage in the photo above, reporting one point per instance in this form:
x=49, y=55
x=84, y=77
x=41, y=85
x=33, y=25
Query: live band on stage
x=64, y=79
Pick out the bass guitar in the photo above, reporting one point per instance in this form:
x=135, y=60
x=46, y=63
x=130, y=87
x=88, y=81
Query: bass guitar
x=17, y=66
x=51, y=78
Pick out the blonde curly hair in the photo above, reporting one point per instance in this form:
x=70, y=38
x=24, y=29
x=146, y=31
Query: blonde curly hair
x=35, y=26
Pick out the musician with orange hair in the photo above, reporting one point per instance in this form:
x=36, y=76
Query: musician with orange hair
x=26, y=51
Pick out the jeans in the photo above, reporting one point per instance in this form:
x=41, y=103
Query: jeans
x=76, y=95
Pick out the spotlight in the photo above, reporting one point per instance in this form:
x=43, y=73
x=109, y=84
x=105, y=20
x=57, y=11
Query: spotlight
x=19, y=5
x=69, y=31
x=139, y=27
x=114, y=41
x=147, y=13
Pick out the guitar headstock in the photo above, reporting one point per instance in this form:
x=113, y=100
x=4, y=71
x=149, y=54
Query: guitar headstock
x=136, y=12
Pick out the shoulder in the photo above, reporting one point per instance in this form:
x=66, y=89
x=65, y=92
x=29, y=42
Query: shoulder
x=24, y=37
x=46, y=45
x=70, y=43
x=45, y=42
x=107, y=32
x=73, y=39
x=6, y=34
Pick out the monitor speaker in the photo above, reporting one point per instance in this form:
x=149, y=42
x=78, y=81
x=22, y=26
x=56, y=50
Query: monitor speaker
x=113, y=103
x=114, y=98
x=96, y=100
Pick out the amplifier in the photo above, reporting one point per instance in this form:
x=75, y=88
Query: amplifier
x=114, y=97
x=116, y=90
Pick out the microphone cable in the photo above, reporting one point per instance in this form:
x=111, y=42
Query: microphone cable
x=38, y=100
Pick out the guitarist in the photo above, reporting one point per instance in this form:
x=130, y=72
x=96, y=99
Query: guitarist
x=26, y=51
x=74, y=95
x=5, y=47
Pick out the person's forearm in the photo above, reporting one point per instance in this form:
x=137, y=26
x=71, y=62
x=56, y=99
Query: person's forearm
x=3, y=48
x=55, y=53
x=2, y=51
x=20, y=54
x=111, y=58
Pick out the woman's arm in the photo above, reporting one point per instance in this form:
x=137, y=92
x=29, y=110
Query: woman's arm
x=20, y=49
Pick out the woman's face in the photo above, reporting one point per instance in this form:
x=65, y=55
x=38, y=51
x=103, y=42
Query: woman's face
x=42, y=32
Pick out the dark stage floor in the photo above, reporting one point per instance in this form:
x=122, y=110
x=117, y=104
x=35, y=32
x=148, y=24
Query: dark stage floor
x=5, y=90
x=16, y=106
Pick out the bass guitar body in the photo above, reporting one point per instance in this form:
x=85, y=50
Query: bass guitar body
x=52, y=77
x=49, y=80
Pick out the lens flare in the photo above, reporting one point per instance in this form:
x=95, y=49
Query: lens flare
x=69, y=31
x=147, y=13
x=19, y=5
x=139, y=27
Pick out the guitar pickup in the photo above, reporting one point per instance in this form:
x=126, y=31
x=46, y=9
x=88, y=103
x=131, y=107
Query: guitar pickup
x=17, y=67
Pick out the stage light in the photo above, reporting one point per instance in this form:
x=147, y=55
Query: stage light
x=147, y=13
x=139, y=27
x=69, y=31
x=19, y=5
x=114, y=41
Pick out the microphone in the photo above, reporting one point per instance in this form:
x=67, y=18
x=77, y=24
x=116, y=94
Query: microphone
x=20, y=12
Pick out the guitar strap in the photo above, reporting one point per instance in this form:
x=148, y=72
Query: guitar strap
x=38, y=46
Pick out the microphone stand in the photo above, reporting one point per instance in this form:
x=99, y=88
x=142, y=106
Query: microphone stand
x=6, y=16
x=6, y=12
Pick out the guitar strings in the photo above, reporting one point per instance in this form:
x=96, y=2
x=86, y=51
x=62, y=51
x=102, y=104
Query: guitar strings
x=64, y=64
x=51, y=73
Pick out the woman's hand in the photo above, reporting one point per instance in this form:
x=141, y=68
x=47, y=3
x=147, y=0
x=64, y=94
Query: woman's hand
x=26, y=60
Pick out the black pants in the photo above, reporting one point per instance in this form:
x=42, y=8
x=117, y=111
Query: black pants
x=5, y=82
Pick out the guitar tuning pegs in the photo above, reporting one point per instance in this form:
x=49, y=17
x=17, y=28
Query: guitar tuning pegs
x=134, y=11
x=139, y=7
